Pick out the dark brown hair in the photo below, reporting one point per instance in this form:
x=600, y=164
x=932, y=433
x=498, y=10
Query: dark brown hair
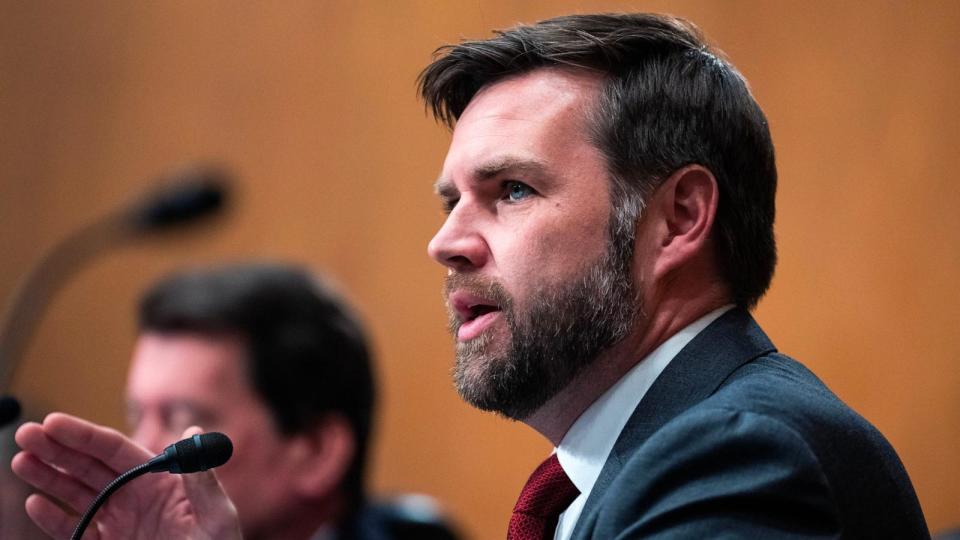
x=668, y=101
x=307, y=352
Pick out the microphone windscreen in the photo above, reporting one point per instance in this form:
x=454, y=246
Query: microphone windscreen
x=9, y=410
x=201, y=452
x=189, y=194
x=217, y=448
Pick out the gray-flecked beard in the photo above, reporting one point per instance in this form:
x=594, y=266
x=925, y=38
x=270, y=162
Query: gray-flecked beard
x=563, y=329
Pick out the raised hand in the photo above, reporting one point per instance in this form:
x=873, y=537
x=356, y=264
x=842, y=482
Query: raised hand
x=72, y=460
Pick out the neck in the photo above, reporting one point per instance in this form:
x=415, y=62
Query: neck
x=302, y=524
x=666, y=318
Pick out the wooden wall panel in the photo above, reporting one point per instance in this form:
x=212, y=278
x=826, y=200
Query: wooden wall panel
x=313, y=104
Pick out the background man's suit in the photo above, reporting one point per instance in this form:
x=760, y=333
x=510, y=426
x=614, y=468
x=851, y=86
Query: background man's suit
x=737, y=440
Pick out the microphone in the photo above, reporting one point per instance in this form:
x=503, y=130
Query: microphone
x=198, y=453
x=188, y=195
x=191, y=193
x=9, y=410
x=201, y=452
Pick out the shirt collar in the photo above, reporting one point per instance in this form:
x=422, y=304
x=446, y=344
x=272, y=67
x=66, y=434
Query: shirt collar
x=584, y=449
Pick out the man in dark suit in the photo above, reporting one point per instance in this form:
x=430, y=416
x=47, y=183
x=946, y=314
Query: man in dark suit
x=610, y=196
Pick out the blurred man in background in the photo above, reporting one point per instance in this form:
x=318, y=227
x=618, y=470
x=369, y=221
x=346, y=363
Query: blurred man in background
x=272, y=358
x=276, y=360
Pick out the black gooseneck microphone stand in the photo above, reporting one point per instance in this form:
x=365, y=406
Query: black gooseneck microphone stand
x=189, y=194
x=198, y=453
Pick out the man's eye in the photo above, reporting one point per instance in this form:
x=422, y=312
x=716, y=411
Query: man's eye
x=448, y=205
x=134, y=416
x=182, y=417
x=517, y=191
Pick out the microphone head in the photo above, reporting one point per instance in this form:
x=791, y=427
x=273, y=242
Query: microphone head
x=188, y=194
x=9, y=410
x=198, y=453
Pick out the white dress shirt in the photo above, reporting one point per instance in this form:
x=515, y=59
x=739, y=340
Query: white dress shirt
x=584, y=449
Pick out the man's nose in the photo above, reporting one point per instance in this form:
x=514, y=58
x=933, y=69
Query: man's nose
x=459, y=244
x=151, y=437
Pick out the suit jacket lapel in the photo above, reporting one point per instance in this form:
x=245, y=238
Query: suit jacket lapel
x=696, y=372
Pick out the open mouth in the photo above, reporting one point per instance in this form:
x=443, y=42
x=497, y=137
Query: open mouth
x=479, y=310
x=474, y=313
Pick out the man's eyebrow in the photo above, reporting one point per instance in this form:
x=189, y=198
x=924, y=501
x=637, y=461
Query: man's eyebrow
x=508, y=163
x=446, y=189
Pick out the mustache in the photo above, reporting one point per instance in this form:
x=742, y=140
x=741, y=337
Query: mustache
x=486, y=288
x=489, y=289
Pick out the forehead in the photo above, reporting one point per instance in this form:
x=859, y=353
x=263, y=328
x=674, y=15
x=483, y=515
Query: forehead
x=527, y=118
x=187, y=365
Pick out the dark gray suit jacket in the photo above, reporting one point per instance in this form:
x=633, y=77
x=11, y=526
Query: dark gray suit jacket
x=735, y=440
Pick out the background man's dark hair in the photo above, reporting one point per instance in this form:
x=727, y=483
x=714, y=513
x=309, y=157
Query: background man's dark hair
x=307, y=354
x=668, y=101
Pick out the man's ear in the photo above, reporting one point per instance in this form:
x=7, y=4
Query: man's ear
x=687, y=206
x=323, y=455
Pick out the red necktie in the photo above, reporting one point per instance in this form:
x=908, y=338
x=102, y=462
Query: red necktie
x=547, y=493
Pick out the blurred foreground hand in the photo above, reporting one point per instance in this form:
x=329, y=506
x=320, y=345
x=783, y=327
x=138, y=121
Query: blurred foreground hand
x=72, y=460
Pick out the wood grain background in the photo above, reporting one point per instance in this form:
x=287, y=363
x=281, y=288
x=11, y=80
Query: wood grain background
x=313, y=105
